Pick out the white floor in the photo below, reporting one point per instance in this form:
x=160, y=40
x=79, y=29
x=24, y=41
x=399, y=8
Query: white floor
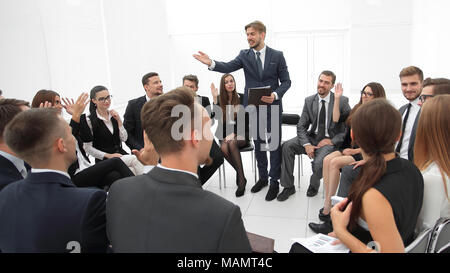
x=281, y=221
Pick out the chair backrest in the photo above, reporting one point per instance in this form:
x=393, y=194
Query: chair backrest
x=420, y=244
x=290, y=119
x=440, y=236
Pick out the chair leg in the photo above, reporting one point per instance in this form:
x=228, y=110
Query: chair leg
x=299, y=159
x=224, y=178
x=220, y=178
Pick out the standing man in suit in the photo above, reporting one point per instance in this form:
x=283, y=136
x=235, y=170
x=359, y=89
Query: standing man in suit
x=263, y=66
x=411, y=79
x=45, y=212
x=323, y=138
x=12, y=168
x=166, y=210
x=216, y=155
x=132, y=119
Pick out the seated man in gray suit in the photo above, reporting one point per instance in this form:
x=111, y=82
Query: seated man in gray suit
x=167, y=210
x=323, y=138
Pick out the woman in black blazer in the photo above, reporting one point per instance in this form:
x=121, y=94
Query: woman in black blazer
x=232, y=132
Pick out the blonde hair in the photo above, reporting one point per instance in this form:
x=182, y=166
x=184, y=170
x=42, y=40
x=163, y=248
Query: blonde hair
x=433, y=136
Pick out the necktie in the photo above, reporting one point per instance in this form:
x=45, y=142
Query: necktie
x=259, y=64
x=399, y=146
x=321, y=125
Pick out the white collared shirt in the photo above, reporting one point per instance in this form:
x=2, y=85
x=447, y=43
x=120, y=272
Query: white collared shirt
x=327, y=103
x=17, y=162
x=50, y=171
x=176, y=170
x=147, y=98
x=415, y=108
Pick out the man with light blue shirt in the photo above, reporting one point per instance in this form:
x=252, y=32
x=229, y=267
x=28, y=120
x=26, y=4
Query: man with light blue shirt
x=12, y=168
x=46, y=212
x=263, y=66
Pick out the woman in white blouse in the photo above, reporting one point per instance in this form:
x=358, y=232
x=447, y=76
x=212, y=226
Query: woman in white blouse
x=432, y=157
x=107, y=131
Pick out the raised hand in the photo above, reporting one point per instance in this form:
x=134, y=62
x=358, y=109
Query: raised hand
x=147, y=155
x=203, y=58
x=46, y=104
x=214, y=92
x=338, y=91
x=76, y=109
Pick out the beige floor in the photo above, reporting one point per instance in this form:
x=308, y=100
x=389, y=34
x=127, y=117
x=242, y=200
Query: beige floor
x=281, y=221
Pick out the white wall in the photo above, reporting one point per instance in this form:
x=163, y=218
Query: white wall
x=72, y=45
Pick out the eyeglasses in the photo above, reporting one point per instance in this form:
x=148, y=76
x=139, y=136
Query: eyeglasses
x=103, y=99
x=367, y=94
x=423, y=98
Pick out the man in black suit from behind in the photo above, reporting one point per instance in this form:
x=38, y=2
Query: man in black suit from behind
x=166, y=210
x=132, y=119
x=12, y=168
x=216, y=155
x=46, y=212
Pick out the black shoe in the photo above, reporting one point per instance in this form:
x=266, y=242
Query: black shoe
x=324, y=217
x=241, y=189
x=272, y=193
x=284, y=195
x=311, y=191
x=324, y=228
x=259, y=185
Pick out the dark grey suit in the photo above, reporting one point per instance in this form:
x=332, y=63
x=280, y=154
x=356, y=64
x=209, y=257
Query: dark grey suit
x=309, y=119
x=168, y=211
x=412, y=139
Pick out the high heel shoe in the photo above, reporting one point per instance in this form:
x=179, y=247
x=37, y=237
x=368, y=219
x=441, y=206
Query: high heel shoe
x=241, y=189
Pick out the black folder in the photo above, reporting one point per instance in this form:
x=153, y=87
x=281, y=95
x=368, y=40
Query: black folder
x=255, y=94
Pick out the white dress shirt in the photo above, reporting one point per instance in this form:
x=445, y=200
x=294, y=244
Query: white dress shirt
x=50, y=171
x=415, y=108
x=17, y=162
x=176, y=170
x=89, y=148
x=327, y=103
x=435, y=203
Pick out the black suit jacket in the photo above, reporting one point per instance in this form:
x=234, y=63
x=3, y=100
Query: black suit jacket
x=168, y=211
x=8, y=172
x=132, y=123
x=45, y=211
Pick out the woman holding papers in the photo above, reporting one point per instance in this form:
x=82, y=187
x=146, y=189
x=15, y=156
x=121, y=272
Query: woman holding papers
x=233, y=126
x=385, y=200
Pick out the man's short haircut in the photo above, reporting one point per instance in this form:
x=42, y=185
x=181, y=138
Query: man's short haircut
x=157, y=120
x=32, y=133
x=329, y=74
x=441, y=86
x=9, y=108
x=191, y=78
x=148, y=76
x=257, y=25
x=411, y=71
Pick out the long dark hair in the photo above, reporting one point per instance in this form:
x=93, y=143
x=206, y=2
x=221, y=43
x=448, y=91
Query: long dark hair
x=92, y=107
x=223, y=96
x=378, y=92
x=376, y=126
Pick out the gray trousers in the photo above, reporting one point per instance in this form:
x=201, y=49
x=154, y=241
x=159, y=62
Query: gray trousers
x=292, y=148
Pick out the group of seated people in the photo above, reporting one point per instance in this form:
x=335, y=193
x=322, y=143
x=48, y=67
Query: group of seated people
x=391, y=166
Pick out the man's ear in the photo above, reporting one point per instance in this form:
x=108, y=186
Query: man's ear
x=60, y=145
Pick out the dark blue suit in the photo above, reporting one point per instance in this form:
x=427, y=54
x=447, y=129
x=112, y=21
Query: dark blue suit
x=45, y=211
x=276, y=75
x=8, y=172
